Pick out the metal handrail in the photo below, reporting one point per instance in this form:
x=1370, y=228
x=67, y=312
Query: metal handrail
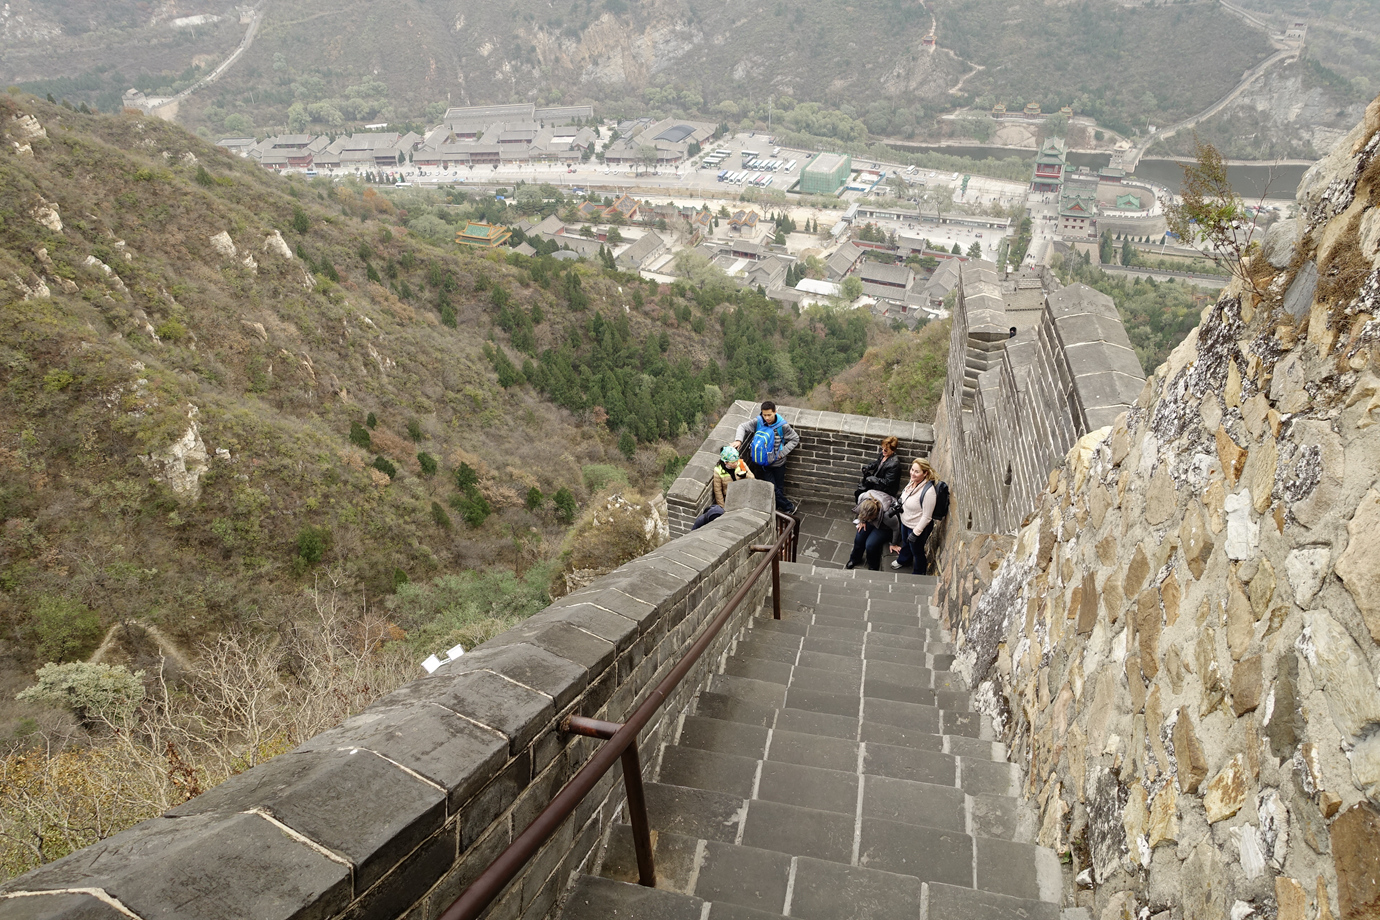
x=621, y=744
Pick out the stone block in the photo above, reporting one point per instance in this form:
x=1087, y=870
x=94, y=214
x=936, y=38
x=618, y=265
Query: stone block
x=390, y=810
x=203, y=866
x=518, y=712
x=1226, y=793
x=1359, y=565
x=407, y=884
x=452, y=752
x=552, y=675
x=59, y=905
x=494, y=799
x=550, y=631
x=1246, y=685
x=1341, y=669
x=1188, y=751
x=1356, y=848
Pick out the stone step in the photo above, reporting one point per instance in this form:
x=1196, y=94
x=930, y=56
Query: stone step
x=720, y=706
x=844, y=792
x=755, y=871
x=970, y=768
x=594, y=897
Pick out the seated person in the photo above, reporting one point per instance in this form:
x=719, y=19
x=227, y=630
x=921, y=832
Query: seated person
x=873, y=523
x=884, y=473
x=730, y=468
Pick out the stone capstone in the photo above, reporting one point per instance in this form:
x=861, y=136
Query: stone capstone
x=1359, y=565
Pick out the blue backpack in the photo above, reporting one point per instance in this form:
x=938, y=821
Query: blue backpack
x=764, y=440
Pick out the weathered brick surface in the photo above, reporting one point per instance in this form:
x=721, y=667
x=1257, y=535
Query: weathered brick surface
x=827, y=465
x=393, y=812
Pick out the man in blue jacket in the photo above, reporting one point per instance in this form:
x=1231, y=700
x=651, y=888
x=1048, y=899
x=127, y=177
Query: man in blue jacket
x=769, y=439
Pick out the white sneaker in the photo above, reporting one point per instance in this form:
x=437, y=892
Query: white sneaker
x=896, y=563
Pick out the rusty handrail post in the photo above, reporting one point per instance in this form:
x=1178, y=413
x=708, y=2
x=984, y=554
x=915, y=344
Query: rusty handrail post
x=632, y=787
x=776, y=586
x=637, y=815
x=487, y=886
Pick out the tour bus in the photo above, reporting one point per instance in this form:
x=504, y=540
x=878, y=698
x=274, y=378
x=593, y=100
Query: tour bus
x=790, y=167
x=722, y=173
x=776, y=151
x=749, y=156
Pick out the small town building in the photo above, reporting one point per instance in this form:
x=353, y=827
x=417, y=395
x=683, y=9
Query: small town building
x=844, y=261
x=825, y=174
x=743, y=221
x=1077, y=214
x=641, y=253
x=1050, y=163
x=238, y=145
x=482, y=236
x=289, y=151
x=664, y=143
x=372, y=150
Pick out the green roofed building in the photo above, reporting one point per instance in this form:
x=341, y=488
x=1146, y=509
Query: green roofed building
x=825, y=174
x=482, y=236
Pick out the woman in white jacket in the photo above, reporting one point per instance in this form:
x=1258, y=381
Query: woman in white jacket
x=917, y=517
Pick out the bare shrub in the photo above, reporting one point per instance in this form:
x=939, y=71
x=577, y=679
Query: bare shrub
x=249, y=698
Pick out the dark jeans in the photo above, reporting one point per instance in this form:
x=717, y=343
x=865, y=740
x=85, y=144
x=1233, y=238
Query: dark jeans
x=913, y=550
x=870, y=543
x=777, y=476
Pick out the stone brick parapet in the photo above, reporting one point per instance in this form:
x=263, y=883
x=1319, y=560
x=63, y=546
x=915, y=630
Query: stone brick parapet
x=1014, y=405
x=392, y=813
x=826, y=466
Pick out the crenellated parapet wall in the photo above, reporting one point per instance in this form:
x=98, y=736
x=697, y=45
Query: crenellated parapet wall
x=394, y=812
x=826, y=466
x=1014, y=404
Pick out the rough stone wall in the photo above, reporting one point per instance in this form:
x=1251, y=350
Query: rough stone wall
x=826, y=466
x=394, y=812
x=1182, y=641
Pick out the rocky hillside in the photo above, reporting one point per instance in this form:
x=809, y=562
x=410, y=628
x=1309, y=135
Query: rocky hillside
x=1183, y=641
x=221, y=385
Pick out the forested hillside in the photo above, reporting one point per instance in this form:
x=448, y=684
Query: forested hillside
x=267, y=439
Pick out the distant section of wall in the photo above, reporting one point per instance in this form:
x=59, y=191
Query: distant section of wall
x=1015, y=404
x=393, y=813
x=827, y=465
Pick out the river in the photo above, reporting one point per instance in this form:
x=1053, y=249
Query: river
x=1250, y=180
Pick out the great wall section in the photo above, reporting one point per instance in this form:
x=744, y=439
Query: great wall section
x=1143, y=684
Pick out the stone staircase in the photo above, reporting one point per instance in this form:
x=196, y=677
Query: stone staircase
x=833, y=770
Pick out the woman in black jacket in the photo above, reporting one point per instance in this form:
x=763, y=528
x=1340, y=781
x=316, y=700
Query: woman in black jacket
x=884, y=473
